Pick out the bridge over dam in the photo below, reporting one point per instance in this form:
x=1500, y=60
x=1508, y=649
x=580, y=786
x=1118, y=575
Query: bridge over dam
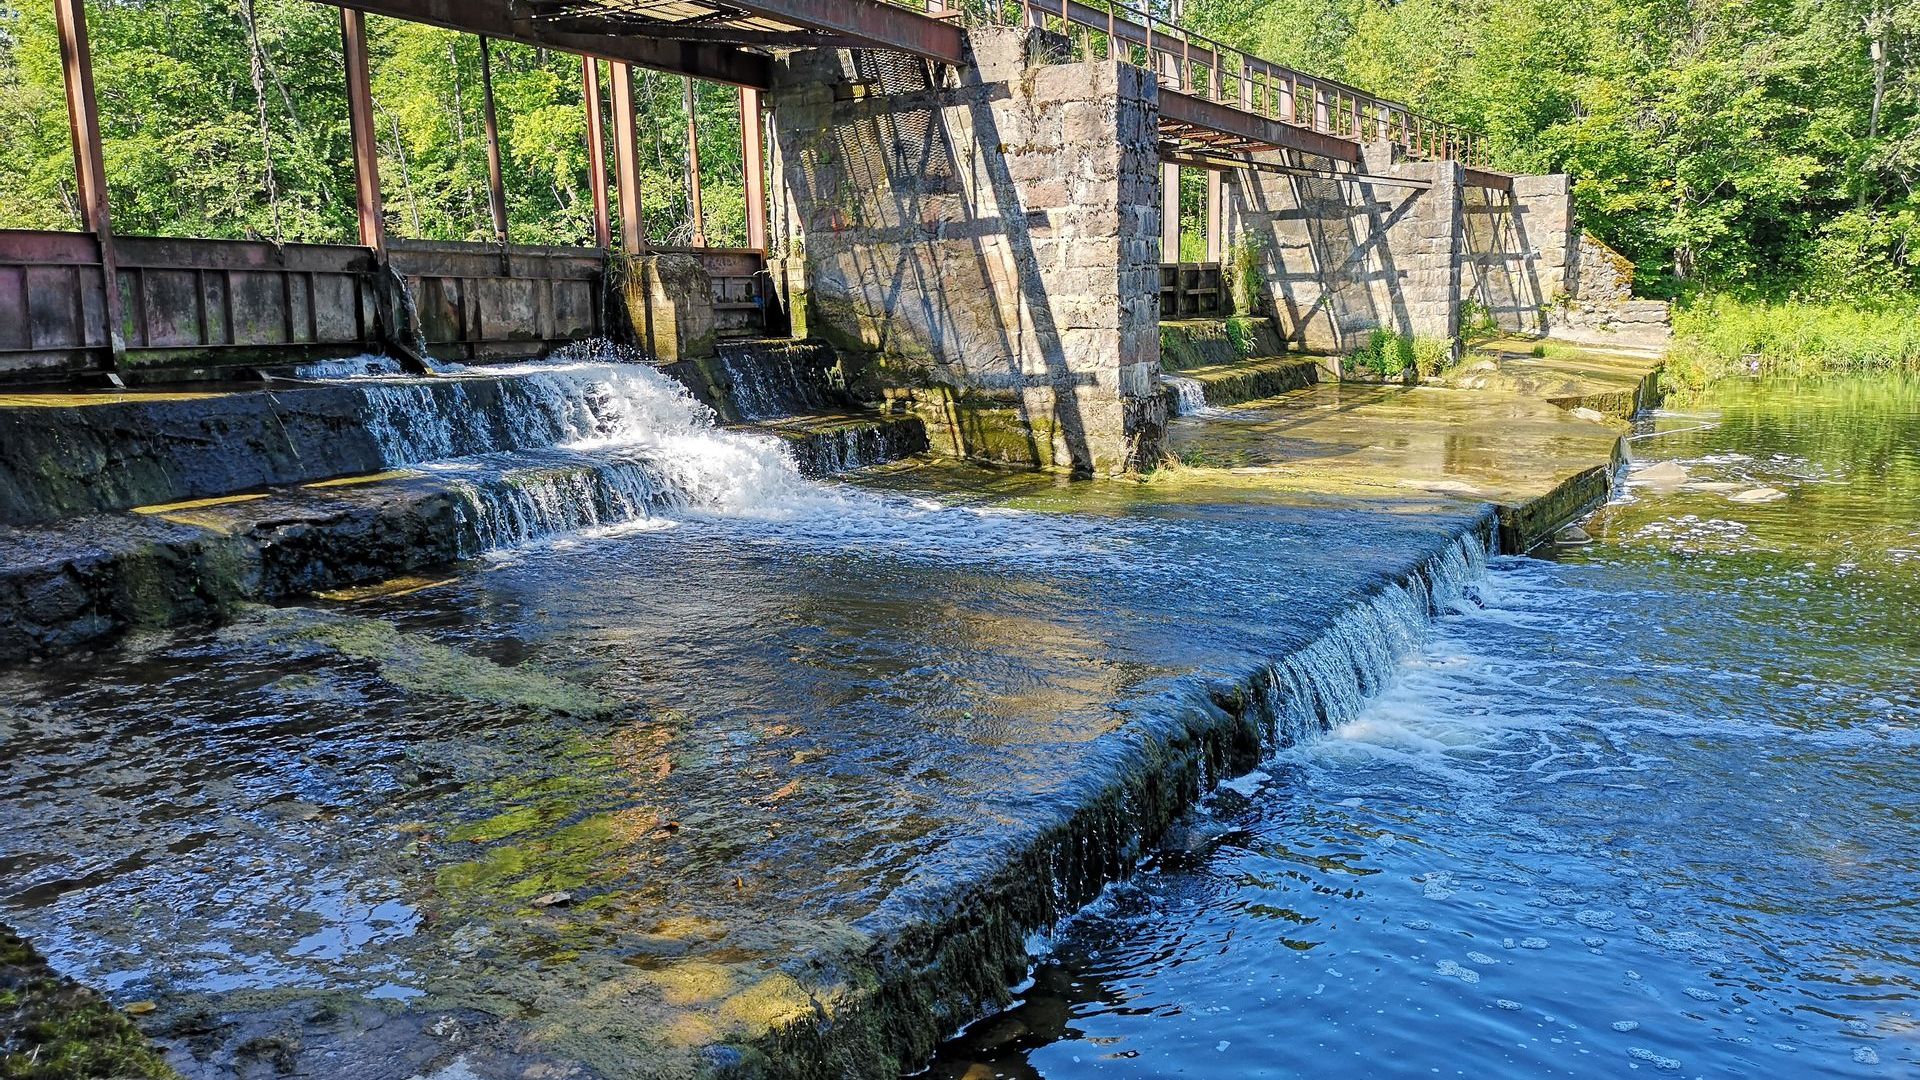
x=428, y=659
x=979, y=209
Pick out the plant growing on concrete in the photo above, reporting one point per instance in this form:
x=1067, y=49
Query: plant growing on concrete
x=1386, y=354
x=1433, y=356
x=1477, y=322
x=1246, y=283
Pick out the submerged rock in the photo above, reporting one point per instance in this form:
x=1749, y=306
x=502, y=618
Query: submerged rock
x=1757, y=495
x=416, y=662
x=1662, y=475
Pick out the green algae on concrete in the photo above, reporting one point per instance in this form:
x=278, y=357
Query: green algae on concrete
x=52, y=1028
x=1198, y=343
x=1538, y=465
x=1249, y=380
x=414, y=662
x=1615, y=383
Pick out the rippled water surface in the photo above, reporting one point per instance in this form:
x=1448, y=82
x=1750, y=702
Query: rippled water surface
x=1648, y=809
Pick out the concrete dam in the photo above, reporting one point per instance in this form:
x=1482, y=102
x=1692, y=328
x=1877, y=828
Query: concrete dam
x=431, y=659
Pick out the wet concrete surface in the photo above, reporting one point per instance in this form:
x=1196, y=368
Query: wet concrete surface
x=1540, y=464
x=1615, y=383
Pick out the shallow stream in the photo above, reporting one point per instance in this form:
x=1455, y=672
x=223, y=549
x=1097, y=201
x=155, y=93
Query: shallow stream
x=1647, y=809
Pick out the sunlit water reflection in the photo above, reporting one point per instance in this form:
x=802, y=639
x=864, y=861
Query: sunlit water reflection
x=1649, y=809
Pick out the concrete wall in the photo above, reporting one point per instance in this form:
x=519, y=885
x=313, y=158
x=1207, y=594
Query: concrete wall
x=989, y=245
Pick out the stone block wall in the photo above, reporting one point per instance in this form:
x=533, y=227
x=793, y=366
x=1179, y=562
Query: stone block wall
x=1600, y=309
x=1341, y=258
x=985, y=242
x=1500, y=262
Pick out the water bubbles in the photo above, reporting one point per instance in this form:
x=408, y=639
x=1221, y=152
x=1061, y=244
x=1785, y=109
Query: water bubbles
x=1865, y=1055
x=1593, y=942
x=1507, y=1003
x=1596, y=919
x=1698, y=994
x=1641, y=1053
x=1626, y=1025
x=1451, y=970
x=1481, y=958
x=1533, y=943
x=1437, y=885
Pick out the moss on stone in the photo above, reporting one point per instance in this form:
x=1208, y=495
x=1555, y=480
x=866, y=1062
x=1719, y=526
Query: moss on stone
x=52, y=1028
x=417, y=663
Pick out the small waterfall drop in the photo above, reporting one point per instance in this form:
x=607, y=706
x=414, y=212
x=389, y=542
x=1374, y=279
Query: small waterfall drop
x=1328, y=682
x=769, y=379
x=578, y=440
x=1189, y=395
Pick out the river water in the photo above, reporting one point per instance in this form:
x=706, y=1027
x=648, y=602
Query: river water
x=1646, y=808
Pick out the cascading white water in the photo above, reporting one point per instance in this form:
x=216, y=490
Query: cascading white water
x=1329, y=681
x=1189, y=395
x=629, y=440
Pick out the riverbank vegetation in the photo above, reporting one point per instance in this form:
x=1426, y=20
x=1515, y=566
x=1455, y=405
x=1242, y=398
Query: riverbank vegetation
x=1719, y=337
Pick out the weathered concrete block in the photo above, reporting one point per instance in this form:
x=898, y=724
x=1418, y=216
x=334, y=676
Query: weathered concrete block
x=670, y=305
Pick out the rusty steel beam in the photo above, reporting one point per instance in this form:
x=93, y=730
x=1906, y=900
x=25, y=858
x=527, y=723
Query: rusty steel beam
x=496, y=180
x=611, y=25
x=360, y=119
x=501, y=19
x=752, y=141
x=1487, y=178
x=626, y=160
x=1186, y=109
x=1170, y=152
x=597, y=151
x=89, y=166
x=876, y=22
x=1216, y=222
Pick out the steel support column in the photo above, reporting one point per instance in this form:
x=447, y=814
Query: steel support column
x=694, y=205
x=596, y=152
x=626, y=160
x=496, y=180
x=366, y=152
x=752, y=142
x=89, y=166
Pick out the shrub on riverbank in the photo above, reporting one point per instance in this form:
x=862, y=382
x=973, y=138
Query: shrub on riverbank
x=1720, y=337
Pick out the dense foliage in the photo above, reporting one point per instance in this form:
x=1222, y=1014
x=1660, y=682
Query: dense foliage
x=1766, y=148
x=228, y=118
x=1763, y=147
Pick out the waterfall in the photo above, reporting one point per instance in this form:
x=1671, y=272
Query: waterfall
x=1328, y=681
x=578, y=440
x=768, y=379
x=1189, y=395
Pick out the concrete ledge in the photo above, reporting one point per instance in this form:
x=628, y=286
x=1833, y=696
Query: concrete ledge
x=1186, y=344
x=85, y=580
x=1251, y=380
